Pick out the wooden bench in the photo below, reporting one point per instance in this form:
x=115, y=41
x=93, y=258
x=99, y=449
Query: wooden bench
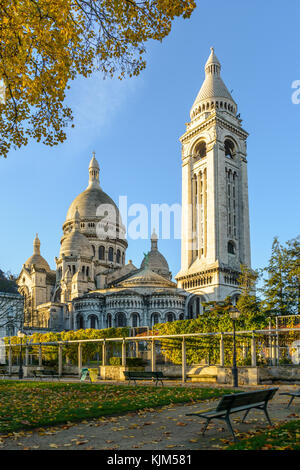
x=236, y=402
x=42, y=374
x=139, y=375
x=202, y=378
x=293, y=395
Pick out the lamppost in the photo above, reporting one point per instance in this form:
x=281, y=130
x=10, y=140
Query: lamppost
x=21, y=335
x=234, y=315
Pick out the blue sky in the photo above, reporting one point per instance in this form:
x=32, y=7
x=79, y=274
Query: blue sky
x=134, y=127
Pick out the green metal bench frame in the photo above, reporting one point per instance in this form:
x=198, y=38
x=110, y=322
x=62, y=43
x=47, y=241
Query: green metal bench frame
x=293, y=395
x=234, y=403
x=156, y=376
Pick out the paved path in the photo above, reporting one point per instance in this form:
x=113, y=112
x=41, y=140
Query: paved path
x=162, y=428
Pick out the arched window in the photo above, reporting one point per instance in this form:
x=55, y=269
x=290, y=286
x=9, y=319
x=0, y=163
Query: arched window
x=200, y=150
x=101, y=252
x=170, y=317
x=181, y=316
x=154, y=318
x=109, y=321
x=79, y=322
x=118, y=256
x=93, y=321
x=229, y=148
x=231, y=248
x=120, y=320
x=110, y=254
x=135, y=320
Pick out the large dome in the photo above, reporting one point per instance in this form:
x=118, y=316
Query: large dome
x=94, y=206
x=87, y=203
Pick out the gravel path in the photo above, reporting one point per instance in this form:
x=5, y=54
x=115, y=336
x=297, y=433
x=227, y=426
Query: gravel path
x=155, y=429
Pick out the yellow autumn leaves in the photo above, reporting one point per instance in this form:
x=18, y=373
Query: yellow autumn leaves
x=44, y=44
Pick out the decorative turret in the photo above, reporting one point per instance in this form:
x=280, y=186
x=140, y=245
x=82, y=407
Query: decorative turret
x=154, y=239
x=36, y=259
x=36, y=245
x=213, y=93
x=94, y=173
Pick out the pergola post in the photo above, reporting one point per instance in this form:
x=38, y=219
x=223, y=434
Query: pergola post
x=26, y=356
x=40, y=355
x=253, y=350
x=104, y=353
x=9, y=359
x=153, y=356
x=123, y=353
x=79, y=359
x=60, y=360
x=183, y=350
x=221, y=350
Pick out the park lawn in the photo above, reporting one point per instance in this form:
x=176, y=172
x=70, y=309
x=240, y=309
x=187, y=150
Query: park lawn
x=282, y=437
x=25, y=405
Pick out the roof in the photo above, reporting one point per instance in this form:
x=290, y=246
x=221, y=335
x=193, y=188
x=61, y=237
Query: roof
x=147, y=278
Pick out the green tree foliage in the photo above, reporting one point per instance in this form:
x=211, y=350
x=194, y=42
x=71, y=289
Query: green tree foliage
x=70, y=350
x=282, y=282
x=215, y=319
x=249, y=305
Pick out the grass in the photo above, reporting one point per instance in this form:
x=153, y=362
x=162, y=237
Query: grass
x=25, y=405
x=282, y=437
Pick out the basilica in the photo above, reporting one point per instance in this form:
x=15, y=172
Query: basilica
x=94, y=287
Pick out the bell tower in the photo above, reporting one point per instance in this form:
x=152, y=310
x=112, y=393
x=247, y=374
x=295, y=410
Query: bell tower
x=215, y=215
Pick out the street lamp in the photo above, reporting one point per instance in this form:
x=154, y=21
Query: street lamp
x=234, y=315
x=21, y=335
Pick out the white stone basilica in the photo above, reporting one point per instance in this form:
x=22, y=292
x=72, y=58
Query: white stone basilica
x=93, y=287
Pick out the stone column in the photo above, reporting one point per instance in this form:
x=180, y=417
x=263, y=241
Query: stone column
x=253, y=351
x=183, y=360
x=221, y=350
x=60, y=360
x=79, y=359
x=123, y=353
x=153, y=356
x=205, y=211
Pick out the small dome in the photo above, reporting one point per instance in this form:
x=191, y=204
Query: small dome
x=36, y=259
x=155, y=261
x=147, y=278
x=76, y=244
